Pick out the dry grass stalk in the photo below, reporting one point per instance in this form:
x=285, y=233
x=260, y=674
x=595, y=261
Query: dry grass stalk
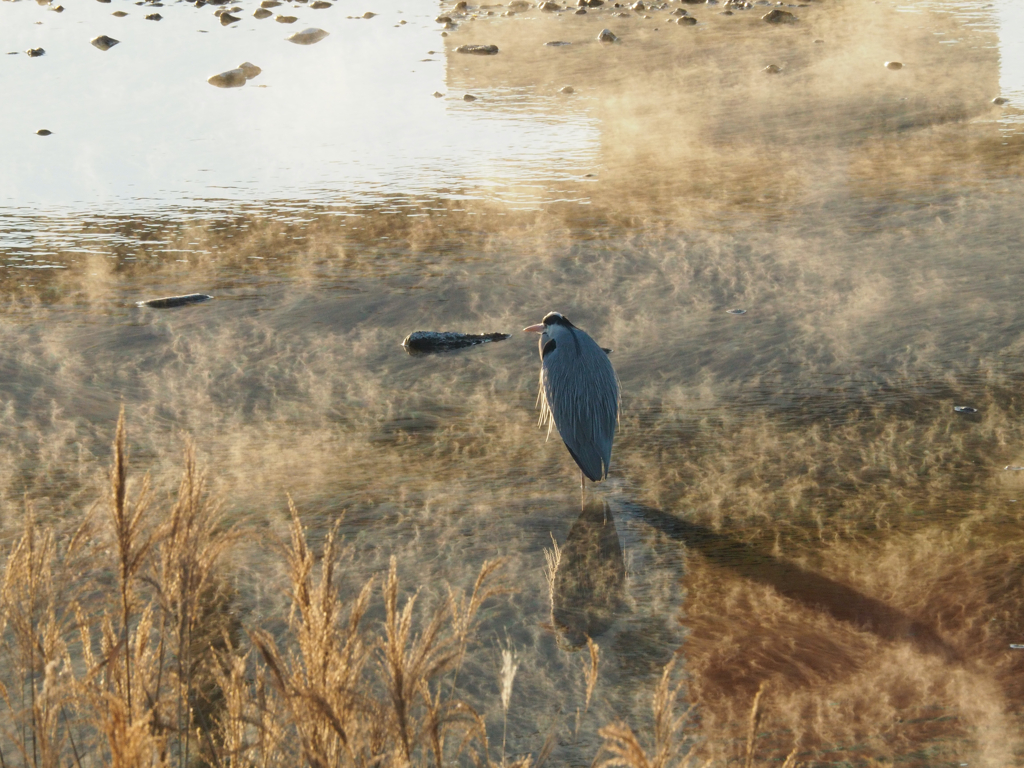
x=552, y=559
x=132, y=545
x=34, y=612
x=187, y=547
x=755, y=722
x=625, y=748
x=509, y=665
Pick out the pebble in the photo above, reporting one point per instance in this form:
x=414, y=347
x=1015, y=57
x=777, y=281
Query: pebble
x=772, y=69
x=307, y=36
x=33, y=52
x=175, y=301
x=557, y=42
x=777, y=16
x=269, y=4
x=58, y=9
x=547, y=5
x=736, y=311
x=607, y=36
x=469, y=97
x=104, y=43
x=153, y=17
x=369, y=15
x=227, y=18
x=478, y=50
x=580, y=12
x=999, y=101
x=460, y=6
x=119, y=14
x=250, y=70
x=319, y=5
x=519, y=5
x=438, y=95
x=233, y=78
x=261, y=13
x=43, y=132
x=893, y=65
x=680, y=12
x=639, y=6
x=686, y=21
x=286, y=19
x=964, y=409
x=427, y=342
x=567, y=90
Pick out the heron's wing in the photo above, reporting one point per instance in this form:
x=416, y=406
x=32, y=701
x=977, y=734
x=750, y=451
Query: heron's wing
x=580, y=396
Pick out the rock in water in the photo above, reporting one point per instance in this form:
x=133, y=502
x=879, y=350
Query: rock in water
x=307, y=36
x=261, y=13
x=428, y=342
x=893, y=65
x=318, y=5
x=286, y=19
x=772, y=69
x=227, y=18
x=607, y=36
x=153, y=17
x=175, y=301
x=250, y=70
x=104, y=43
x=999, y=101
x=469, y=97
x=779, y=17
x=33, y=52
x=233, y=78
x=686, y=21
x=43, y=132
x=479, y=50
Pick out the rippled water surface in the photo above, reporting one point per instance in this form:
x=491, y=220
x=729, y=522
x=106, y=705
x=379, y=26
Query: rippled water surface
x=793, y=498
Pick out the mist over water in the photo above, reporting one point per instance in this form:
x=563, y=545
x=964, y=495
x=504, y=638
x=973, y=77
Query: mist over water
x=794, y=499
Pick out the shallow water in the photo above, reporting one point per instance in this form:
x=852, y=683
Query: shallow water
x=793, y=495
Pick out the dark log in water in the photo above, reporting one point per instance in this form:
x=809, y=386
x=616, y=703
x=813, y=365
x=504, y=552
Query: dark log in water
x=428, y=342
x=175, y=301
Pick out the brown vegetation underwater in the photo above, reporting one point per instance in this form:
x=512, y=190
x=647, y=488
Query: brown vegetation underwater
x=122, y=647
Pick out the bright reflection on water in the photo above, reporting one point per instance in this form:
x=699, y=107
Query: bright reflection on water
x=138, y=127
x=793, y=497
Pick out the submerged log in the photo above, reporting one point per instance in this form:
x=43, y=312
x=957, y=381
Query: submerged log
x=175, y=301
x=428, y=342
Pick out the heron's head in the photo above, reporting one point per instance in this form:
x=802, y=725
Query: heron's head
x=551, y=322
x=554, y=330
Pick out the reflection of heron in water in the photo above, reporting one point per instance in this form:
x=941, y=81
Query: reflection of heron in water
x=587, y=577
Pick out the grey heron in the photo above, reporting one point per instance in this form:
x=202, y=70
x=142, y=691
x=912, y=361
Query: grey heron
x=579, y=394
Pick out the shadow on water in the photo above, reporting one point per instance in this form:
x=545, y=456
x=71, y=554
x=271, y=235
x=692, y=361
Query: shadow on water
x=753, y=561
x=588, y=583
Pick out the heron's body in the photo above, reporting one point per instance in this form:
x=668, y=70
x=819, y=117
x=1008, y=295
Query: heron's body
x=579, y=393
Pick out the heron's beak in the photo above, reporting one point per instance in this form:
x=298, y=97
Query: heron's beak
x=534, y=328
